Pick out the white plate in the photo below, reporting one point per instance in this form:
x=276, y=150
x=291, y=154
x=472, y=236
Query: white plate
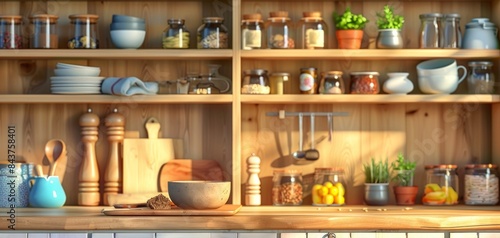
x=76, y=78
x=62, y=84
x=73, y=66
x=75, y=89
x=77, y=72
x=81, y=92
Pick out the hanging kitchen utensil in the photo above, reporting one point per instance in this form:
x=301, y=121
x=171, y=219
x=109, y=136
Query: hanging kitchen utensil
x=312, y=154
x=330, y=126
x=300, y=154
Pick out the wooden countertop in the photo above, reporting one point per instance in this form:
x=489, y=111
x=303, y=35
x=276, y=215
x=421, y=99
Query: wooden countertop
x=271, y=218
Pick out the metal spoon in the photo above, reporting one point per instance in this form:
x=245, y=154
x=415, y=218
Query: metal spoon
x=54, y=149
x=312, y=154
x=330, y=126
x=300, y=154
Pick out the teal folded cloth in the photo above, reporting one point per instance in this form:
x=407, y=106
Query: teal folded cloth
x=128, y=86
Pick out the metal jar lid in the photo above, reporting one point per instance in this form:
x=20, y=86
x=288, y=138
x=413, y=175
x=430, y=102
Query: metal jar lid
x=480, y=63
x=451, y=15
x=431, y=15
x=255, y=72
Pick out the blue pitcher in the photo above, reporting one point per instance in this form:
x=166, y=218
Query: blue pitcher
x=47, y=192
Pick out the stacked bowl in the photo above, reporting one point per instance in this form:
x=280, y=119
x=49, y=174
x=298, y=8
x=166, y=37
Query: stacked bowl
x=127, y=32
x=76, y=79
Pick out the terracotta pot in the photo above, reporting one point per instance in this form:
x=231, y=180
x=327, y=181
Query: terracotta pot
x=405, y=195
x=349, y=39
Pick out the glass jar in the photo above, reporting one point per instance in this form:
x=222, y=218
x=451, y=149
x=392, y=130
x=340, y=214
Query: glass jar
x=452, y=35
x=332, y=83
x=11, y=32
x=212, y=34
x=277, y=81
x=255, y=81
x=329, y=187
x=176, y=36
x=430, y=30
x=481, y=79
x=287, y=187
x=442, y=185
x=365, y=83
x=252, y=32
x=44, y=32
x=280, y=31
x=308, y=80
x=481, y=184
x=84, y=32
x=313, y=31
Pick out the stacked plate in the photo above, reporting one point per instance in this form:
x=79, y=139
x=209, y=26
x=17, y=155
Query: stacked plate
x=76, y=79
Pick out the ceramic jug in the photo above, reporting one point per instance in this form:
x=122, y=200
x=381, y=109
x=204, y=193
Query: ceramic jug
x=480, y=34
x=47, y=192
x=398, y=83
x=15, y=184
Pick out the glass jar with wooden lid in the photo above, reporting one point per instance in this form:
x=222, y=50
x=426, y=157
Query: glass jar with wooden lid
x=441, y=185
x=44, y=31
x=329, y=187
x=312, y=30
x=212, y=34
x=280, y=31
x=481, y=184
x=84, y=33
x=287, y=187
x=252, y=32
x=11, y=32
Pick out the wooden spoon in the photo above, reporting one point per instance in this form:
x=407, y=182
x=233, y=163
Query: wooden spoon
x=54, y=149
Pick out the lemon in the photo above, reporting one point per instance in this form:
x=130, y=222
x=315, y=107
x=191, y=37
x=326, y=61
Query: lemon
x=328, y=184
x=339, y=200
x=334, y=191
x=316, y=199
x=328, y=199
x=323, y=191
x=341, y=188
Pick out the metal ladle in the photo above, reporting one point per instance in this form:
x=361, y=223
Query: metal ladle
x=312, y=154
x=300, y=154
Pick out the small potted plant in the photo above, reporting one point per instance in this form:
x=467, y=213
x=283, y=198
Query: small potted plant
x=404, y=190
x=389, y=29
x=349, y=29
x=377, y=176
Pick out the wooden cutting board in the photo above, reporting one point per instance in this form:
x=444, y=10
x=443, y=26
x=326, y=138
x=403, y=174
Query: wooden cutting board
x=226, y=210
x=187, y=169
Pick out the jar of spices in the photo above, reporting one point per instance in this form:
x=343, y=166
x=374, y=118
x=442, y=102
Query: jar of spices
x=430, y=30
x=365, y=83
x=481, y=79
x=442, y=185
x=329, y=187
x=308, y=80
x=44, y=32
x=252, y=32
x=280, y=31
x=255, y=81
x=212, y=34
x=332, y=83
x=287, y=187
x=313, y=31
x=176, y=36
x=11, y=32
x=84, y=32
x=277, y=82
x=481, y=184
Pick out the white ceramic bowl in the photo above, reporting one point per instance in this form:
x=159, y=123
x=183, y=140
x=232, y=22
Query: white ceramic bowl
x=74, y=66
x=77, y=72
x=127, y=39
x=199, y=194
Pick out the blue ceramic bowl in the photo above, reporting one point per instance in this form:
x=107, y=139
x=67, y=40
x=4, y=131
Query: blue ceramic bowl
x=125, y=18
x=127, y=26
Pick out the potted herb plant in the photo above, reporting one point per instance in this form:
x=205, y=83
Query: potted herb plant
x=377, y=176
x=349, y=29
x=404, y=190
x=389, y=29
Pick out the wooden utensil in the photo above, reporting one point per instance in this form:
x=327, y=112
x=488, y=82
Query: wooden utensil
x=187, y=169
x=55, y=150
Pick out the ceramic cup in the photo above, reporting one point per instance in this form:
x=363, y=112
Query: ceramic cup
x=438, y=84
x=440, y=76
x=15, y=184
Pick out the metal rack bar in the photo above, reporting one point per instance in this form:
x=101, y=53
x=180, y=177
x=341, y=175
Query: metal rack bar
x=282, y=114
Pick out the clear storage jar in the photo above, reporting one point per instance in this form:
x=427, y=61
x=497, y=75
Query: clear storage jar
x=442, y=185
x=11, y=32
x=365, y=83
x=212, y=34
x=84, y=33
x=280, y=31
x=287, y=187
x=255, y=81
x=44, y=33
x=481, y=79
x=308, y=80
x=252, y=32
x=481, y=184
x=332, y=83
x=329, y=187
x=277, y=81
x=430, y=31
x=176, y=36
x=313, y=33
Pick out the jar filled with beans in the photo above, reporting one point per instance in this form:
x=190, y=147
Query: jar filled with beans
x=280, y=31
x=84, y=34
x=365, y=83
x=287, y=187
x=212, y=34
x=11, y=32
x=176, y=36
x=481, y=184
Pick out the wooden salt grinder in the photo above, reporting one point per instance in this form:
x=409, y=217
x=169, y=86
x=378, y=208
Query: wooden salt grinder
x=88, y=192
x=252, y=193
x=115, y=122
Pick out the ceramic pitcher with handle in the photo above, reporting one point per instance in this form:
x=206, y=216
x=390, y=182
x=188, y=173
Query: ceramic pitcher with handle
x=47, y=192
x=480, y=34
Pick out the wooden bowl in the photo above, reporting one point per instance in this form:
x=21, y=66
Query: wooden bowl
x=199, y=194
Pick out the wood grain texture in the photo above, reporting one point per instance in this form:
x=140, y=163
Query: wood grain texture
x=225, y=210
x=186, y=169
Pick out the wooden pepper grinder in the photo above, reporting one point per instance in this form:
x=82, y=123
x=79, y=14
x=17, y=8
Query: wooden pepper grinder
x=115, y=122
x=88, y=192
x=252, y=194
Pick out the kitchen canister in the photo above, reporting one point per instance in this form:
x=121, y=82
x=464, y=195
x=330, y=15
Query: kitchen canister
x=176, y=36
x=430, y=31
x=329, y=187
x=280, y=31
x=481, y=184
x=442, y=185
x=252, y=32
x=15, y=184
x=212, y=34
x=480, y=33
x=11, y=32
x=481, y=79
x=287, y=187
x=312, y=30
x=44, y=31
x=84, y=33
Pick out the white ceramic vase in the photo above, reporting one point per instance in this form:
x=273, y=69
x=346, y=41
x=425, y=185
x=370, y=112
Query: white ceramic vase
x=398, y=83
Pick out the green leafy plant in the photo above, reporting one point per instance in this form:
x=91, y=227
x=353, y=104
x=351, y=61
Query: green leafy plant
x=377, y=171
x=349, y=21
x=404, y=171
x=388, y=20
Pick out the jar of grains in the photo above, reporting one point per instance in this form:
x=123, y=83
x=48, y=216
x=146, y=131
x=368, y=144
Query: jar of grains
x=313, y=31
x=252, y=32
x=280, y=31
x=481, y=184
x=11, y=32
x=442, y=185
x=176, y=36
x=44, y=31
x=328, y=189
x=255, y=81
x=212, y=34
x=287, y=187
x=84, y=32
x=332, y=83
x=365, y=83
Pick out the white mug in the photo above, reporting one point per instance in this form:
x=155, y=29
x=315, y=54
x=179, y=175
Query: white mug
x=439, y=67
x=439, y=84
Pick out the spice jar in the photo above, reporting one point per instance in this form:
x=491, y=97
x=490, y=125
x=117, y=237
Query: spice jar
x=44, y=31
x=328, y=187
x=308, y=80
x=287, y=187
x=84, y=32
x=176, y=36
x=252, y=29
x=255, y=81
x=313, y=31
x=430, y=30
x=277, y=80
x=481, y=79
x=365, y=83
x=11, y=32
x=212, y=34
x=332, y=83
x=280, y=31
x=481, y=184
x=442, y=185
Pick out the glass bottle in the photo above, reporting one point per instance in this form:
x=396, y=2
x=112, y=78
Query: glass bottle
x=277, y=82
x=44, y=31
x=84, y=32
x=442, y=185
x=287, y=187
x=252, y=32
x=308, y=80
x=481, y=79
x=452, y=35
x=255, y=81
x=313, y=32
x=11, y=32
x=212, y=34
x=430, y=30
x=280, y=31
x=365, y=83
x=329, y=187
x=176, y=36
x=481, y=184
x=332, y=83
